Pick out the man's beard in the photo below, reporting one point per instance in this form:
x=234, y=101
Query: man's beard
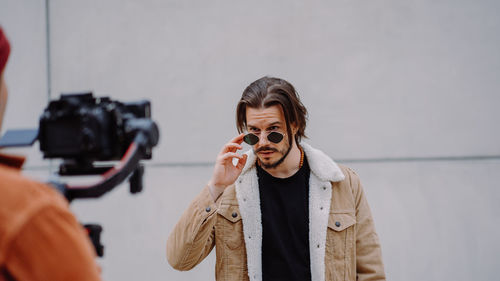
x=275, y=164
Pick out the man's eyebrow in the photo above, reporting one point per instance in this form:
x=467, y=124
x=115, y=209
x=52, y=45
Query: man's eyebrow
x=251, y=127
x=269, y=125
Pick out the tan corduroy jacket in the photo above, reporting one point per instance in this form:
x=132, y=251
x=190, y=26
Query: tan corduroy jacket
x=342, y=238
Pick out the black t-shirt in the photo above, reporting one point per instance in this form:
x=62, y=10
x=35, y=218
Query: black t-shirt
x=285, y=225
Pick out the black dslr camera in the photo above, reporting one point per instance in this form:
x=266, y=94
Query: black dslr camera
x=93, y=136
x=83, y=128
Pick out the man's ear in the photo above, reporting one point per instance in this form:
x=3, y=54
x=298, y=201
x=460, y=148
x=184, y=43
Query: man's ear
x=294, y=128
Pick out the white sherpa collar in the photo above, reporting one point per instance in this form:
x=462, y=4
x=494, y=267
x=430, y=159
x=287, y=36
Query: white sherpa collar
x=323, y=172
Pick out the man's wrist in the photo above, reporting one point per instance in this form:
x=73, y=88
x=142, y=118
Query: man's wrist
x=215, y=190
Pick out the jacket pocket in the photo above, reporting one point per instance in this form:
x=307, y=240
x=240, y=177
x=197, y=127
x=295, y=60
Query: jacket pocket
x=230, y=227
x=340, y=222
x=340, y=246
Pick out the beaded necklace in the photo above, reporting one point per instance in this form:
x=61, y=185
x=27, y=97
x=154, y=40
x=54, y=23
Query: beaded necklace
x=301, y=157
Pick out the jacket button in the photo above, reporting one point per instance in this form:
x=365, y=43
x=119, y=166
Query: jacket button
x=324, y=187
x=235, y=214
x=317, y=246
x=208, y=209
x=337, y=224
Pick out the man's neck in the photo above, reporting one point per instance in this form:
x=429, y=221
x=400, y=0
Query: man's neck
x=289, y=166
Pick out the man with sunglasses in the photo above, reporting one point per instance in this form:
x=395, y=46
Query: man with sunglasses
x=284, y=210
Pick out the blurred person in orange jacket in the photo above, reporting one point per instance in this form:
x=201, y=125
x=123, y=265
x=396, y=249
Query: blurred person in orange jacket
x=40, y=239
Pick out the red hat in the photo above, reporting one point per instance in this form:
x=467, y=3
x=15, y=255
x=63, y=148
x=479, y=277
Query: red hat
x=4, y=50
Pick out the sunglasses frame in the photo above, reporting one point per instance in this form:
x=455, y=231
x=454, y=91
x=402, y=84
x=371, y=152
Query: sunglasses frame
x=274, y=137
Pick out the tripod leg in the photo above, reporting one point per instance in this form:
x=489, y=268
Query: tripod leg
x=136, y=180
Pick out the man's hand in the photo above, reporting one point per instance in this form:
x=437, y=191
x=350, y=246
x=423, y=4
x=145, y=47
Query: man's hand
x=225, y=172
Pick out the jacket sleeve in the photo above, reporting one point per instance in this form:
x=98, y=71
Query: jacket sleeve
x=193, y=237
x=52, y=245
x=369, y=264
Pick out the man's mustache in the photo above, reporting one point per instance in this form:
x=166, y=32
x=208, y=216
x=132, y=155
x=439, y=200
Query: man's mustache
x=265, y=148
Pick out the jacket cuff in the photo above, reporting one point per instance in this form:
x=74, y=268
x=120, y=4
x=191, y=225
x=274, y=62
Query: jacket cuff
x=206, y=204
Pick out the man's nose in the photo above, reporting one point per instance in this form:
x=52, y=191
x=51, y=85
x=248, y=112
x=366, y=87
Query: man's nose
x=263, y=141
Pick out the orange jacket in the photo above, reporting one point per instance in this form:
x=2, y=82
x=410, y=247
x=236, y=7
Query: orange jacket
x=40, y=239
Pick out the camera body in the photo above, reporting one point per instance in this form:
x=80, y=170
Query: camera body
x=84, y=129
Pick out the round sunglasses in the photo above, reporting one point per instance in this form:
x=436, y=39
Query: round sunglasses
x=252, y=139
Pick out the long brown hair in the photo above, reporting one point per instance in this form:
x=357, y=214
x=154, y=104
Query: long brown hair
x=269, y=91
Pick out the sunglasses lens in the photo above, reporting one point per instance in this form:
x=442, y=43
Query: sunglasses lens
x=275, y=137
x=251, y=139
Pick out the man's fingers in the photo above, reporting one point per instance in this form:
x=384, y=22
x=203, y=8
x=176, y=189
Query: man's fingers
x=235, y=141
x=230, y=155
x=241, y=162
x=231, y=147
x=238, y=139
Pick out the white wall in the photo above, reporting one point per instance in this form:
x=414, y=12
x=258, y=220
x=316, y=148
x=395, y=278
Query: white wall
x=405, y=92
